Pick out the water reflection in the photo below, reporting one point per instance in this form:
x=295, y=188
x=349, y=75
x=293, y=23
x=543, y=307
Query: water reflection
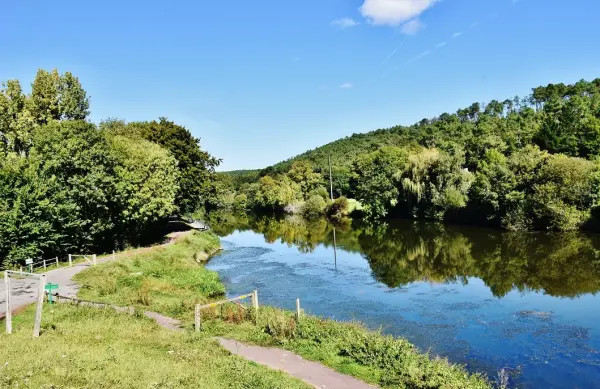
x=402, y=252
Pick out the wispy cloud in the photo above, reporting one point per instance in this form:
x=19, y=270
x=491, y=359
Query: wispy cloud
x=392, y=53
x=413, y=59
x=345, y=23
x=347, y=85
x=412, y=27
x=457, y=34
x=393, y=12
x=441, y=44
x=474, y=24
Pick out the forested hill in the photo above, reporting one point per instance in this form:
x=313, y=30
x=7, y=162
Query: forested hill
x=523, y=163
x=569, y=112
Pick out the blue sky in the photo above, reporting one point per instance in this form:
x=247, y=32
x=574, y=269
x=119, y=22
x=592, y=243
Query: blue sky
x=261, y=81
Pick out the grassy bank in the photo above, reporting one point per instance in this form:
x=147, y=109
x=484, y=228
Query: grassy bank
x=169, y=280
x=94, y=348
x=348, y=348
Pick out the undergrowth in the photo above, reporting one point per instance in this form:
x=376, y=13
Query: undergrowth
x=168, y=280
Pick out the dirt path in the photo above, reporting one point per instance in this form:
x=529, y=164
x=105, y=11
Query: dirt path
x=312, y=373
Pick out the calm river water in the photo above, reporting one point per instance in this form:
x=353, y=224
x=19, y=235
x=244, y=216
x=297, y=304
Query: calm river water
x=527, y=303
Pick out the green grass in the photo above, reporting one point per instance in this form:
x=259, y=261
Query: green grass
x=168, y=280
x=349, y=348
x=82, y=347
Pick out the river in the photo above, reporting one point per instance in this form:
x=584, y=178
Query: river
x=523, y=302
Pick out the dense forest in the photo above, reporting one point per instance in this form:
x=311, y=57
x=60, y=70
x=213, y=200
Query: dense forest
x=522, y=164
x=70, y=186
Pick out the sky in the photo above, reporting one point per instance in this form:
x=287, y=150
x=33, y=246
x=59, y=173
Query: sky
x=259, y=81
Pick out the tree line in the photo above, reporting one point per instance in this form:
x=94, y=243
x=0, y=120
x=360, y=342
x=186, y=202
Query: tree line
x=521, y=164
x=70, y=186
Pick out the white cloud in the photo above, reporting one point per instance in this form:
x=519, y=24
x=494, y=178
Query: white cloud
x=393, y=12
x=456, y=34
x=345, y=23
x=346, y=85
x=442, y=44
x=412, y=27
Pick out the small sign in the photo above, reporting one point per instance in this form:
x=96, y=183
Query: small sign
x=50, y=287
x=29, y=261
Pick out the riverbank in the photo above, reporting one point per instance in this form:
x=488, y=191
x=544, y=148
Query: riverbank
x=169, y=280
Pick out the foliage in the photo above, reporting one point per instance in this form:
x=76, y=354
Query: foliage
x=100, y=348
x=479, y=165
x=314, y=207
x=338, y=209
x=146, y=176
x=196, y=166
x=66, y=187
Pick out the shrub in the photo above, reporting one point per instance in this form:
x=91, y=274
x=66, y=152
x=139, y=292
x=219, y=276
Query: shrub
x=337, y=209
x=313, y=208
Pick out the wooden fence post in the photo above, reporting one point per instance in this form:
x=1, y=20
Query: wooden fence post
x=39, y=307
x=44, y=264
x=197, y=318
x=113, y=255
x=8, y=318
x=21, y=269
x=70, y=260
x=297, y=309
x=56, y=261
x=94, y=259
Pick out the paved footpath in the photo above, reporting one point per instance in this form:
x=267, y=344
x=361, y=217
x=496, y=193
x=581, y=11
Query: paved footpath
x=24, y=291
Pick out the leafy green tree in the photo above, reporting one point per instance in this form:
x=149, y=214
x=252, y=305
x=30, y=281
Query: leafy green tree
x=302, y=173
x=196, y=166
x=376, y=179
x=73, y=103
x=145, y=181
x=44, y=104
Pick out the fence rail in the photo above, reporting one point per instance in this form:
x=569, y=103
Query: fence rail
x=199, y=307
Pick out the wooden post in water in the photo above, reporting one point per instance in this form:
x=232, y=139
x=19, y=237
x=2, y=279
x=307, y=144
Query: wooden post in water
x=298, y=312
x=70, y=260
x=39, y=307
x=8, y=318
x=197, y=318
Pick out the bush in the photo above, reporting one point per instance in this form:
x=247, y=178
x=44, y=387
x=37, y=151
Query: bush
x=314, y=207
x=338, y=209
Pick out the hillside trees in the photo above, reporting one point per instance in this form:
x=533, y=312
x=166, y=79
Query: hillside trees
x=522, y=163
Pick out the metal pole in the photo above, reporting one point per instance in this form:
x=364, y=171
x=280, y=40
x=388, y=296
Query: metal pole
x=330, y=179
